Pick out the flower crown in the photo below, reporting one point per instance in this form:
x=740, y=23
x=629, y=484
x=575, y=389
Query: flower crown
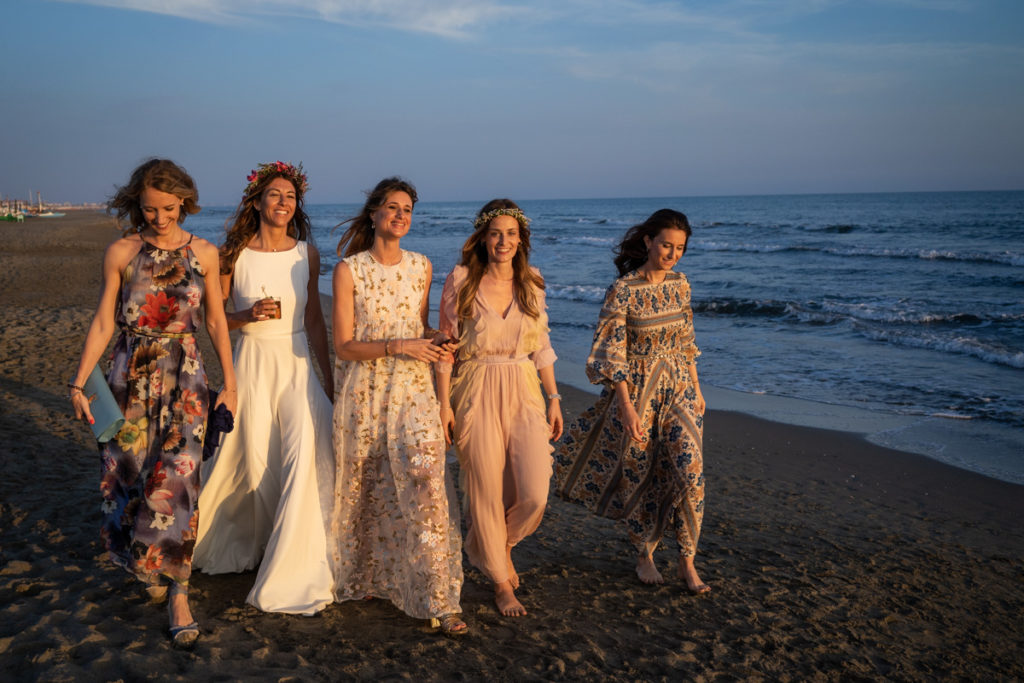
x=486, y=218
x=290, y=171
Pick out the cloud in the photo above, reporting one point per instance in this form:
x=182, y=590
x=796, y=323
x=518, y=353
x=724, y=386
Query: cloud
x=447, y=18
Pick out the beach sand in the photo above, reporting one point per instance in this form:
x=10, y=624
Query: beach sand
x=830, y=558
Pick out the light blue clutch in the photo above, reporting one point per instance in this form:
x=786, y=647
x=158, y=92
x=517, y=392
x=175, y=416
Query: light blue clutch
x=106, y=414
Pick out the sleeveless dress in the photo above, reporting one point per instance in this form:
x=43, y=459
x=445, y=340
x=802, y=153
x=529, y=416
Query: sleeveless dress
x=266, y=492
x=645, y=337
x=397, y=536
x=150, y=470
x=501, y=423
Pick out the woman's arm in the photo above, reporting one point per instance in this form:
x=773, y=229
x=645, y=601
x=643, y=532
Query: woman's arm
x=627, y=413
x=347, y=347
x=115, y=259
x=316, y=328
x=216, y=321
x=547, y=380
x=443, y=368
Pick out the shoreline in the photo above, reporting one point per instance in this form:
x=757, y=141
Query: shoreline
x=830, y=558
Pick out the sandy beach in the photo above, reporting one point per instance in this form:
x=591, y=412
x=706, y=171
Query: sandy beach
x=830, y=558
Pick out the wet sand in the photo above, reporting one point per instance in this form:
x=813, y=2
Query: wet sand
x=830, y=558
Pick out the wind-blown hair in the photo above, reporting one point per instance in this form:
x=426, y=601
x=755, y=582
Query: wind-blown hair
x=525, y=280
x=631, y=253
x=359, y=235
x=245, y=222
x=160, y=174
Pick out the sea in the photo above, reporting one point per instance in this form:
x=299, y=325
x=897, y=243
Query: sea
x=899, y=316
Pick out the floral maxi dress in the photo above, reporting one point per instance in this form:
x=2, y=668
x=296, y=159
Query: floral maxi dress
x=150, y=470
x=397, y=536
x=645, y=337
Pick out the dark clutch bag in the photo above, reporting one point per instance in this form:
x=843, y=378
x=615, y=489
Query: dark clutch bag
x=218, y=423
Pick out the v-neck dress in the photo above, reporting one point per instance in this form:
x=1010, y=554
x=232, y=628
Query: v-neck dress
x=500, y=420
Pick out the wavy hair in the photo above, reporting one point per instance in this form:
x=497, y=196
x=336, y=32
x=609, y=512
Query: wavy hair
x=525, y=281
x=631, y=253
x=245, y=222
x=160, y=174
x=359, y=235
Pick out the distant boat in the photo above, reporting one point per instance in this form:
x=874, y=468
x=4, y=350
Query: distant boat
x=47, y=214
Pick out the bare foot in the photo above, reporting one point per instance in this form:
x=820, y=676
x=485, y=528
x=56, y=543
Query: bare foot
x=513, y=576
x=505, y=598
x=646, y=570
x=688, y=573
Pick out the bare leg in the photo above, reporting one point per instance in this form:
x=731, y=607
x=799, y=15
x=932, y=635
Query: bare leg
x=513, y=577
x=184, y=630
x=645, y=568
x=505, y=598
x=688, y=573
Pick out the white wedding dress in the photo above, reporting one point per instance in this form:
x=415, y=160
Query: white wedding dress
x=266, y=493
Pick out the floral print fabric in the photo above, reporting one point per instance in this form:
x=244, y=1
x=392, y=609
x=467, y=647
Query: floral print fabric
x=397, y=536
x=645, y=338
x=150, y=470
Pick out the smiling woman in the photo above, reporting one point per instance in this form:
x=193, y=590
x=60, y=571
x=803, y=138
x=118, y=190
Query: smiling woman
x=266, y=500
x=157, y=281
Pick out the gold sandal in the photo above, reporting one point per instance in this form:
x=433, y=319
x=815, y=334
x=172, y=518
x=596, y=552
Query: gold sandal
x=450, y=625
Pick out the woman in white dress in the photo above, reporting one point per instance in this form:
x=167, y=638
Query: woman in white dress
x=397, y=536
x=267, y=498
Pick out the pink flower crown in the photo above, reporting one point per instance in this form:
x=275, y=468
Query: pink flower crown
x=290, y=171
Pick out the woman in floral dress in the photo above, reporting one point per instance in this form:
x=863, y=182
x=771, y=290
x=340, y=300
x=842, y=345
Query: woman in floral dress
x=157, y=279
x=397, y=537
x=637, y=454
x=493, y=303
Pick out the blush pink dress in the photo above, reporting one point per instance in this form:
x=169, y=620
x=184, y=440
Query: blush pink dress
x=501, y=428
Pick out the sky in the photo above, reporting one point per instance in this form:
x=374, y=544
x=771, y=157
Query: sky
x=530, y=99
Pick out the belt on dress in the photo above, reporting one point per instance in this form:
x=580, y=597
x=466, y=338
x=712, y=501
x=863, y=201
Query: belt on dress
x=154, y=334
x=496, y=360
x=657, y=354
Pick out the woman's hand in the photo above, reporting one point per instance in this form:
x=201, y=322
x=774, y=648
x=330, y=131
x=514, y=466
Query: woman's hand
x=417, y=349
x=229, y=399
x=445, y=343
x=631, y=422
x=448, y=424
x=264, y=309
x=81, y=403
x=555, y=419
x=701, y=404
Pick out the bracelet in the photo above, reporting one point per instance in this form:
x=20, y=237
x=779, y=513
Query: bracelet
x=75, y=386
x=551, y=397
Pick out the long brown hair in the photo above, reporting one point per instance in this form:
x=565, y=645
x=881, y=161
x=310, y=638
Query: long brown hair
x=245, y=222
x=525, y=281
x=160, y=174
x=631, y=253
x=359, y=236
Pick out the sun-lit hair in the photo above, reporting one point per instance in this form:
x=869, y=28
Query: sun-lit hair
x=160, y=174
x=631, y=253
x=525, y=280
x=244, y=223
x=359, y=235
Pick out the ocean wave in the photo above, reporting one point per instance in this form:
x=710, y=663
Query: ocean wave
x=889, y=312
x=588, y=293
x=966, y=346
x=741, y=307
x=1006, y=258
